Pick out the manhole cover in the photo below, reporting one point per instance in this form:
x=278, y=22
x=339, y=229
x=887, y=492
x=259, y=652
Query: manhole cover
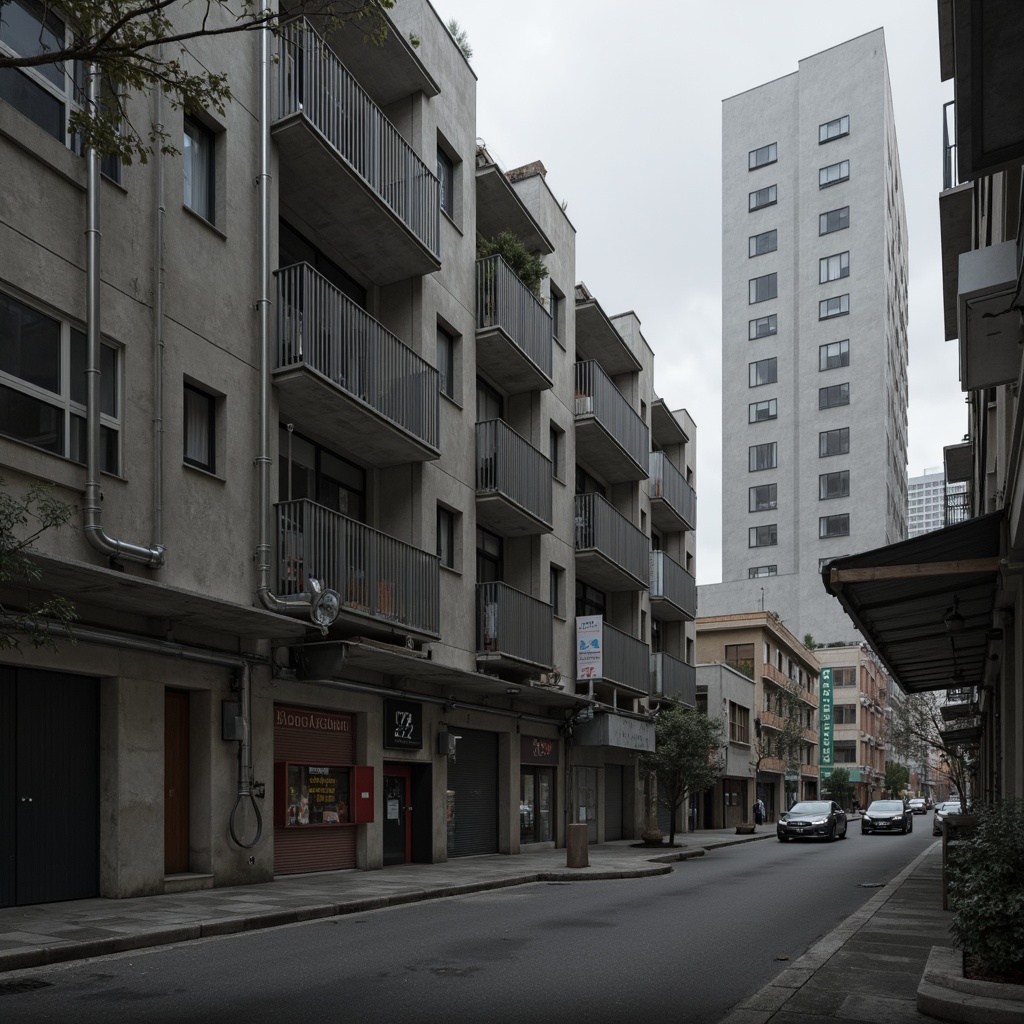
x=12, y=988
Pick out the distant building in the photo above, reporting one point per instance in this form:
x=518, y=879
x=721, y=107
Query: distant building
x=929, y=497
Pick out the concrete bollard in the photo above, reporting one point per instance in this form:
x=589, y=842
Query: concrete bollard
x=576, y=850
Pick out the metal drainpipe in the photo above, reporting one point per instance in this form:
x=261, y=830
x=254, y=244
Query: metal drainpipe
x=158, y=330
x=152, y=557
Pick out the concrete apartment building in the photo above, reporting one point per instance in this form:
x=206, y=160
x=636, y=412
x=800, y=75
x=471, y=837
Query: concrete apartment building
x=343, y=488
x=944, y=610
x=932, y=503
x=759, y=646
x=814, y=334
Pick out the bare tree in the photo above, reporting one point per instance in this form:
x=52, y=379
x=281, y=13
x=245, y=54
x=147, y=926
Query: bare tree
x=779, y=733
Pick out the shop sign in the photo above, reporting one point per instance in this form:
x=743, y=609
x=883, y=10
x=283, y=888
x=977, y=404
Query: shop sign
x=306, y=720
x=827, y=723
x=536, y=750
x=403, y=725
x=589, y=631
x=615, y=731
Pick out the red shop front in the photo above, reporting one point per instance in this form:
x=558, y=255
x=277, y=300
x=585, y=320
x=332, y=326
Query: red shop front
x=320, y=794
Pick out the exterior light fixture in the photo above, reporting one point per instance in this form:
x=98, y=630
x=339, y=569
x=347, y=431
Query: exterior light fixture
x=325, y=604
x=954, y=620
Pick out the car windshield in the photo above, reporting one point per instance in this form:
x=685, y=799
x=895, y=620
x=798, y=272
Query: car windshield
x=950, y=808
x=810, y=807
x=886, y=807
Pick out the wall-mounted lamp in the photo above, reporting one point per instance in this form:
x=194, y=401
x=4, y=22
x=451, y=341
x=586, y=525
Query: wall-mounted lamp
x=955, y=622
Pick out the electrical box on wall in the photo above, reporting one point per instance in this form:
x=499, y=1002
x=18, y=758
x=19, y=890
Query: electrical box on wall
x=231, y=725
x=363, y=802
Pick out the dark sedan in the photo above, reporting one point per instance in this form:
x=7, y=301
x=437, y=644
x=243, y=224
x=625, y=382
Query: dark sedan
x=887, y=816
x=815, y=819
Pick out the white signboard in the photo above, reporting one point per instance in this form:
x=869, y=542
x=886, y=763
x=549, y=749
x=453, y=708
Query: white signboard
x=589, y=631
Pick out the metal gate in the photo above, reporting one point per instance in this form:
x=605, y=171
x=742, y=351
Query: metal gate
x=612, y=802
x=472, y=797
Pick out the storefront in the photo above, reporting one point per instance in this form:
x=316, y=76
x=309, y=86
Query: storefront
x=471, y=805
x=538, y=760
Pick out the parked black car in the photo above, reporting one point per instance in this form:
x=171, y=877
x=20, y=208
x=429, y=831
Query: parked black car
x=815, y=819
x=887, y=816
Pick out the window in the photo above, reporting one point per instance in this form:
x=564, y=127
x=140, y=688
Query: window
x=834, y=485
x=833, y=174
x=767, y=241
x=589, y=600
x=834, y=355
x=833, y=442
x=198, y=169
x=759, y=411
x=557, y=316
x=445, y=362
x=845, y=714
x=763, y=456
x=838, y=305
x=763, y=197
x=763, y=327
x=446, y=183
x=741, y=658
x=308, y=470
x=739, y=723
x=763, y=536
x=446, y=536
x=763, y=156
x=834, y=526
x=490, y=556
x=757, y=571
x=834, y=220
x=200, y=428
x=832, y=268
x=557, y=590
x=43, y=387
x=763, y=288
x=556, y=451
x=844, y=676
x=830, y=397
x=834, y=129
x=764, y=371
x=844, y=752
x=763, y=497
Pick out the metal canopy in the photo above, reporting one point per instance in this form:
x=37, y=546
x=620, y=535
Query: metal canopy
x=901, y=595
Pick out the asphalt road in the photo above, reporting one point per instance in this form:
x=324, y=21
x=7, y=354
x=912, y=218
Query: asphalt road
x=681, y=947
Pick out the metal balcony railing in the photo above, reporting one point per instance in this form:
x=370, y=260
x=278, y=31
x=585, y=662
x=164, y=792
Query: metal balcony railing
x=670, y=486
x=958, y=507
x=597, y=395
x=376, y=575
x=502, y=300
x=312, y=81
x=673, y=678
x=512, y=623
x=670, y=581
x=321, y=327
x=950, y=178
x=601, y=527
x=625, y=659
x=506, y=463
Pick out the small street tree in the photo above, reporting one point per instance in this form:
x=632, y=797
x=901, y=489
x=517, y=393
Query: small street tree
x=897, y=776
x=839, y=787
x=687, y=757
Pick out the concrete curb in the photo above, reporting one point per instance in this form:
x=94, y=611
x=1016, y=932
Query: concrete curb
x=945, y=993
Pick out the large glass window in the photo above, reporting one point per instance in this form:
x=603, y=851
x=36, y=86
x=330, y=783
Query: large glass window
x=309, y=471
x=536, y=804
x=763, y=327
x=763, y=536
x=834, y=129
x=832, y=268
x=739, y=723
x=834, y=442
x=763, y=456
x=763, y=288
x=764, y=371
x=763, y=156
x=763, y=497
x=838, y=305
x=834, y=485
x=834, y=526
x=834, y=220
x=834, y=355
x=760, y=411
x=833, y=174
x=763, y=197
x=767, y=241
x=741, y=658
x=837, y=394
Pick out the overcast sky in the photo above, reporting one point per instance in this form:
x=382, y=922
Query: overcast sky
x=622, y=103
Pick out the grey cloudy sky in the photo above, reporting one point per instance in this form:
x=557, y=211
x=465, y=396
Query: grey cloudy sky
x=622, y=103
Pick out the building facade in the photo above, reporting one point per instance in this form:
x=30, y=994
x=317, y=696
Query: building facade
x=932, y=502
x=346, y=494
x=814, y=334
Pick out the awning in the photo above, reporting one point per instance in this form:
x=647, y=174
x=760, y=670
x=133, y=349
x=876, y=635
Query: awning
x=901, y=596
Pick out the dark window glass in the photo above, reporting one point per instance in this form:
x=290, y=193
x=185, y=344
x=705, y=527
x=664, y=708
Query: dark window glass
x=200, y=428
x=763, y=197
x=760, y=411
x=767, y=241
x=763, y=288
x=838, y=305
x=834, y=485
x=764, y=371
x=762, y=456
x=837, y=394
x=763, y=326
x=29, y=345
x=198, y=168
x=834, y=355
x=763, y=536
x=763, y=497
x=446, y=182
x=834, y=220
x=834, y=442
x=834, y=526
x=31, y=420
x=833, y=174
x=445, y=362
x=446, y=536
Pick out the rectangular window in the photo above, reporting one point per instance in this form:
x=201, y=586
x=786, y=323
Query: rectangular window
x=43, y=385
x=763, y=288
x=830, y=397
x=838, y=305
x=556, y=451
x=834, y=220
x=557, y=306
x=833, y=174
x=763, y=498
x=741, y=658
x=834, y=355
x=445, y=362
x=763, y=536
x=763, y=327
x=763, y=456
x=446, y=536
x=760, y=411
x=845, y=714
x=763, y=197
x=764, y=371
x=739, y=723
x=763, y=156
x=834, y=129
x=767, y=241
x=446, y=183
x=200, y=428
x=555, y=592
x=833, y=442
x=756, y=572
x=834, y=526
x=198, y=169
x=844, y=676
x=834, y=485
x=832, y=268
x=844, y=752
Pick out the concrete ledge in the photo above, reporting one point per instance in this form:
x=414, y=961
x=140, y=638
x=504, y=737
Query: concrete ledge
x=945, y=993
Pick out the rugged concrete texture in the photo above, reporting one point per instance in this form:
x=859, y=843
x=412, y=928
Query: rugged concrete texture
x=945, y=993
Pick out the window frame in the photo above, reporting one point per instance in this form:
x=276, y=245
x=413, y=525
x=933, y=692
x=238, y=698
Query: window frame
x=771, y=322
x=823, y=442
x=755, y=573
x=767, y=504
x=833, y=174
x=834, y=396
x=826, y=133
x=771, y=239
x=840, y=519
x=446, y=345
x=208, y=210
x=445, y=176
x=770, y=194
x=771, y=156
x=840, y=478
x=446, y=537
x=835, y=305
x=770, y=449
x=834, y=355
x=770, y=406
x=825, y=267
x=768, y=284
x=769, y=365
x=208, y=403
x=842, y=215
x=765, y=530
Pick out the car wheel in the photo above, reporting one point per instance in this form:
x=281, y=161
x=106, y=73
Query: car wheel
x=783, y=839
x=864, y=831
x=831, y=837
x=845, y=830
x=903, y=831
x=911, y=825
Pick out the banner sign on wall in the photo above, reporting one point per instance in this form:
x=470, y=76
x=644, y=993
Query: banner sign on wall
x=589, y=661
x=825, y=713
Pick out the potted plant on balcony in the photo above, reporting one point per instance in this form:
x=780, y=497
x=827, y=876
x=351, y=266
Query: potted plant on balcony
x=527, y=266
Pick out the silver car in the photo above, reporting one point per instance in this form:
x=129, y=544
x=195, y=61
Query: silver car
x=942, y=811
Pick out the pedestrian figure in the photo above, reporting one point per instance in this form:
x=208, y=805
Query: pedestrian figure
x=759, y=811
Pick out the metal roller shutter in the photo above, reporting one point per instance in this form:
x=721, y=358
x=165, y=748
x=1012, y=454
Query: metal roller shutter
x=473, y=794
x=612, y=802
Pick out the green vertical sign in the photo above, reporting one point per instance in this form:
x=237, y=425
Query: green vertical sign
x=825, y=716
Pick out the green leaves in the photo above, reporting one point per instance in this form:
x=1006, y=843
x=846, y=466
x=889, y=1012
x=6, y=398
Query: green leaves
x=527, y=266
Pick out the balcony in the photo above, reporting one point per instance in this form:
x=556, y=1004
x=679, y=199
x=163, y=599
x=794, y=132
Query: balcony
x=380, y=579
x=339, y=368
x=343, y=167
x=609, y=433
x=625, y=664
x=499, y=208
x=673, y=500
x=611, y=553
x=673, y=590
x=513, y=330
x=597, y=338
x=513, y=630
x=770, y=674
x=513, y=482
x=673, y=678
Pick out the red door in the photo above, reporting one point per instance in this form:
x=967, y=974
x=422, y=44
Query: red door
x=397, y=814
